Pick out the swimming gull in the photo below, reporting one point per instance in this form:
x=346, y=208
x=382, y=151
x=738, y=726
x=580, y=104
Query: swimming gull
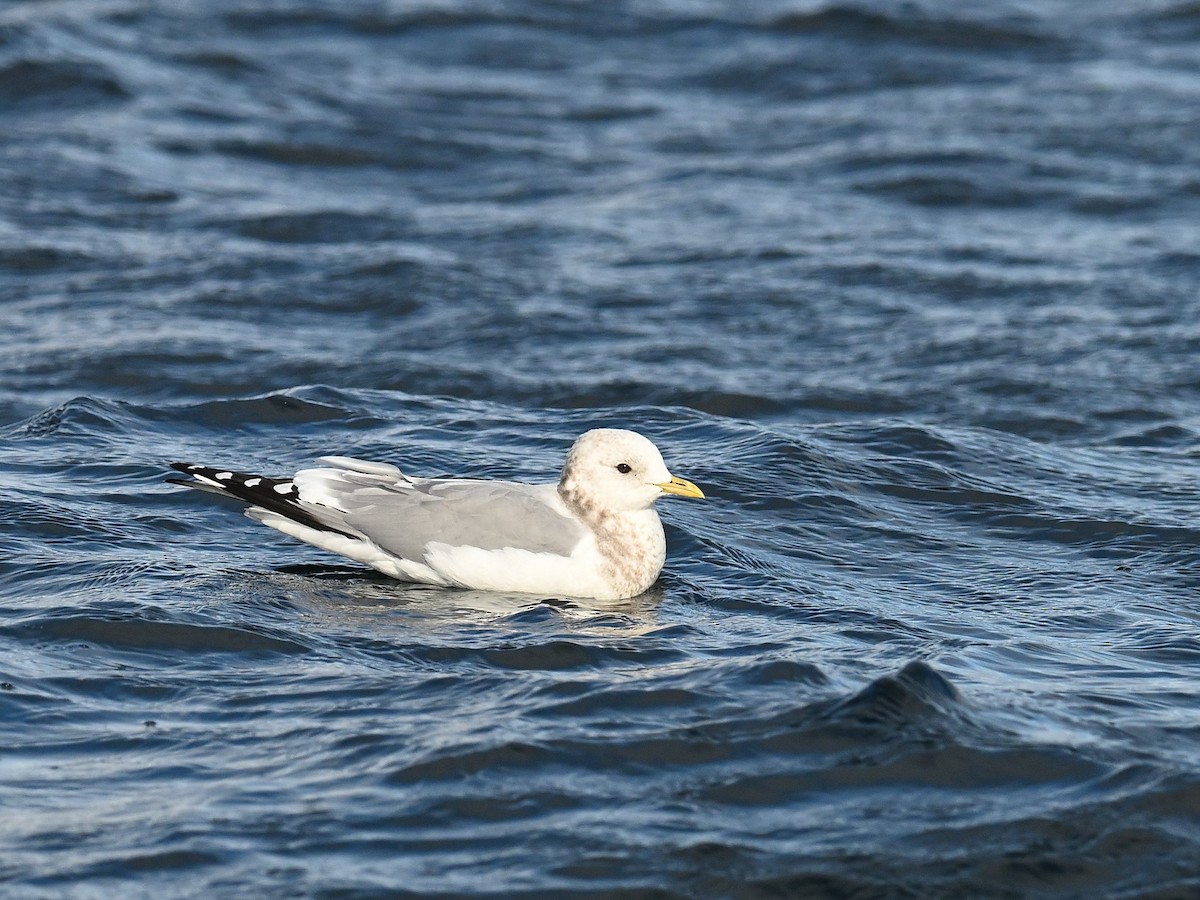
x=594, y=534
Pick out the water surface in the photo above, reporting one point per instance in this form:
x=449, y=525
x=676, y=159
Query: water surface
x=908, y=289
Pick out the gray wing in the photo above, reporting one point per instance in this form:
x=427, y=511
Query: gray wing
x=404, y=515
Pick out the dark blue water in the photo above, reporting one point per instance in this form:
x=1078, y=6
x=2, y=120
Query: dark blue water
x=912, y=290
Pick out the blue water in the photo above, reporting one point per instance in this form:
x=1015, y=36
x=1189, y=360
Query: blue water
x=910, y=289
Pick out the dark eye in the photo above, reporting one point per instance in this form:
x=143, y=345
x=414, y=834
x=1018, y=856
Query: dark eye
x=624, y=468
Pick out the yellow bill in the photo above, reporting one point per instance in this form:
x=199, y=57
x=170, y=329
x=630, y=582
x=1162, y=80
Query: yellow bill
x=681, y=487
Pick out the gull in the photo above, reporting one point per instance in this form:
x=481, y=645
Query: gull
x=593, y=535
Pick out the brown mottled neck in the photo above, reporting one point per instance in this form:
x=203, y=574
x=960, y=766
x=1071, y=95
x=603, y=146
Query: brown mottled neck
x=632, y=544
x=576, y=500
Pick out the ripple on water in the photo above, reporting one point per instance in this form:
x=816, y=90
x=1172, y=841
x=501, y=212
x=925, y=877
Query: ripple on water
x=908, y=289
x=136, y=634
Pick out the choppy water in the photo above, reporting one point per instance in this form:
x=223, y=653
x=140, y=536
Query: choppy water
x=911, y=289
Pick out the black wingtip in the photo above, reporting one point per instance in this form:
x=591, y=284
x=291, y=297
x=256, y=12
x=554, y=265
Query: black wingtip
x=262, y=491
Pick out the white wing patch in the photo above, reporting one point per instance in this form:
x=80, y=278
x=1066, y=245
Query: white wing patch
x=332, y=488
x=365, y=467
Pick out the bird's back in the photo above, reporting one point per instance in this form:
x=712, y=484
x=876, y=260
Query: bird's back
x=403, y=516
